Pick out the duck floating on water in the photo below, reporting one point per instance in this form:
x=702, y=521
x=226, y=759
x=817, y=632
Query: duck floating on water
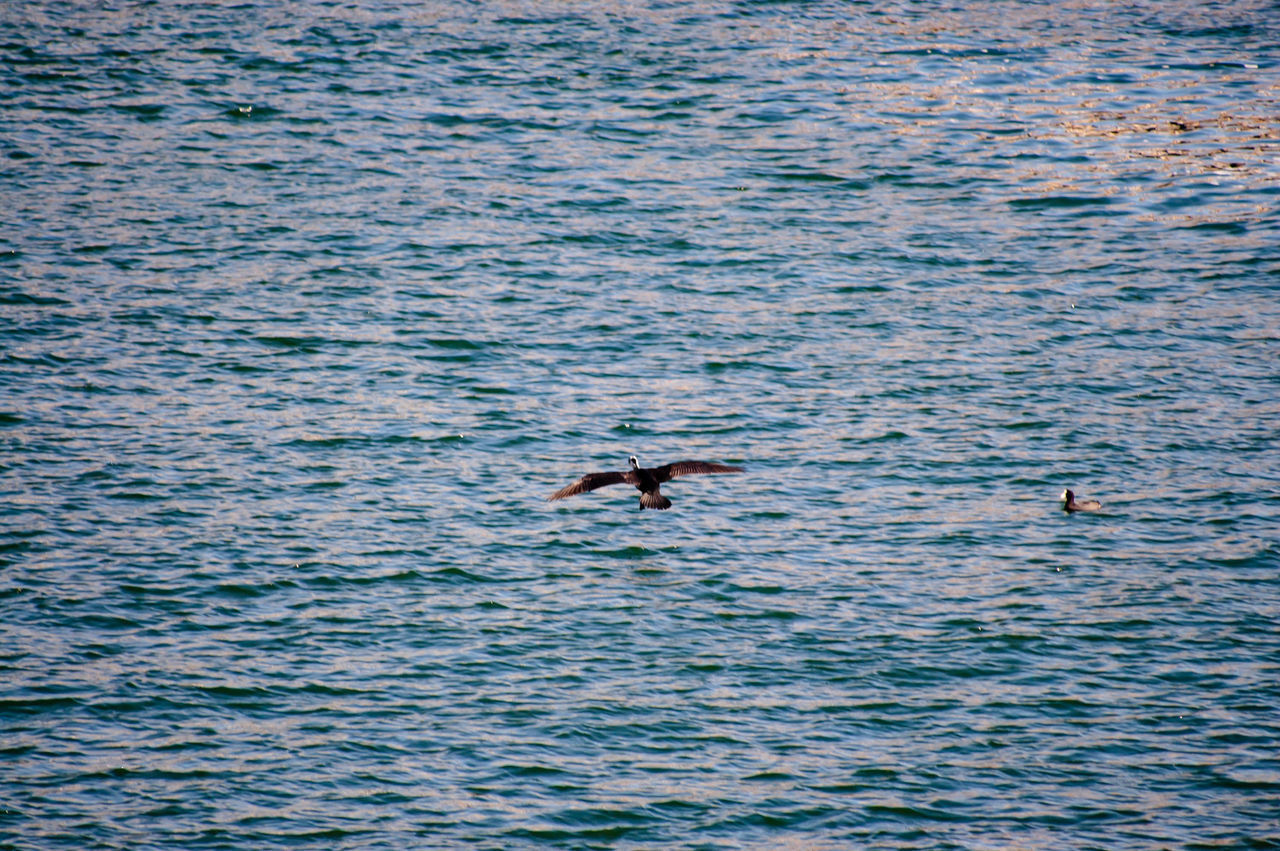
x=1069, y=503
x=646, y=480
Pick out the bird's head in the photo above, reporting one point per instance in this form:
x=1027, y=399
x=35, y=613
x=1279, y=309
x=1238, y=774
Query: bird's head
x=1067, y=494
x=635, y=465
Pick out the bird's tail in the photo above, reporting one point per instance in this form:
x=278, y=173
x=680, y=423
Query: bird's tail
x=654, y=500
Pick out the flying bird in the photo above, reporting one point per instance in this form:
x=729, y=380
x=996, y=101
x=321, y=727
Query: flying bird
x=646, y=480
x=1069, y=503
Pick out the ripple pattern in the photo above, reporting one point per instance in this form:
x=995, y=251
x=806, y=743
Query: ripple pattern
x=305, y=307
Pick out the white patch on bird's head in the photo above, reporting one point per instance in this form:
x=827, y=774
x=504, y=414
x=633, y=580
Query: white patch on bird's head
x=635, y=465
x=1065, y=495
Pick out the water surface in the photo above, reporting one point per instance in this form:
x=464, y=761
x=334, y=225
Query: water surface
x=305, y=308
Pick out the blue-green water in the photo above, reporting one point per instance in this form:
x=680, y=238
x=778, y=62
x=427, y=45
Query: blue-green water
x=305, y=308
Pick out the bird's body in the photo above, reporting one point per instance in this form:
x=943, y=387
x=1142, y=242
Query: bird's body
x=646, y=479
x=1070, y=504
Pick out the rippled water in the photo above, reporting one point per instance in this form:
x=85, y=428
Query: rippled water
x=306, y=307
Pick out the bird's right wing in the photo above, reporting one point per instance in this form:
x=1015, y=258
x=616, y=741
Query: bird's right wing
x=667, y=472
x=591, y=481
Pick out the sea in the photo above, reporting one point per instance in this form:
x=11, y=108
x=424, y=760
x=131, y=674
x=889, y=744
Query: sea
x=307, y=307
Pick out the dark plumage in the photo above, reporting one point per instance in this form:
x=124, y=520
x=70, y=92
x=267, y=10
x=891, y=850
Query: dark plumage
x=1069, y=503
x=646, y=480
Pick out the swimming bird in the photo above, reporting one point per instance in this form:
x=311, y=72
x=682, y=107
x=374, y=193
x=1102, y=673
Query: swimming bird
x=645, y=479
x=1069, y=503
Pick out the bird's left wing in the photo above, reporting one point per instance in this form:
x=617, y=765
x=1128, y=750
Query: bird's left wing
x=590, y=482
